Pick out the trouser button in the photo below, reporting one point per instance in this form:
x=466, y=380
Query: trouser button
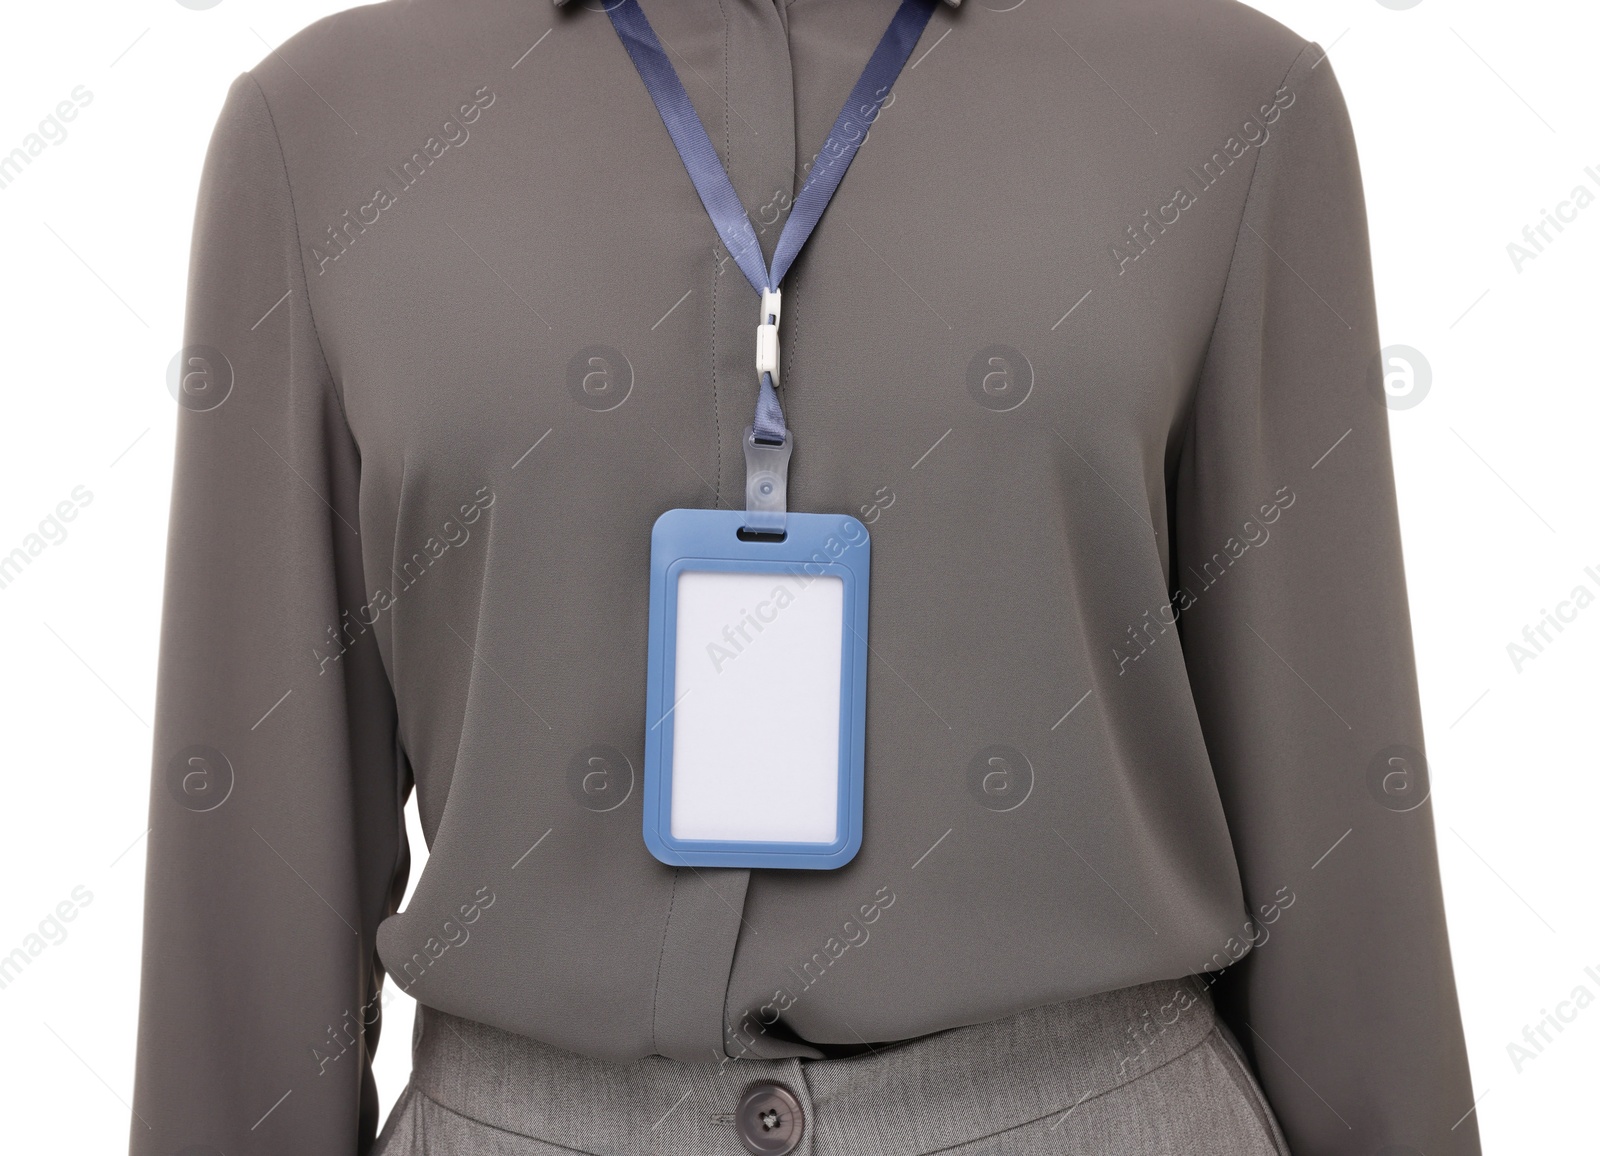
x=769, y=1120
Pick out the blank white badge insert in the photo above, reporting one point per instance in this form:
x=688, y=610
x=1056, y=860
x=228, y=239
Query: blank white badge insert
x=755, y=725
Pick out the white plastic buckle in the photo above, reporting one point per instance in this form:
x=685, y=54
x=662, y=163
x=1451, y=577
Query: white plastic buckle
x=767, y=334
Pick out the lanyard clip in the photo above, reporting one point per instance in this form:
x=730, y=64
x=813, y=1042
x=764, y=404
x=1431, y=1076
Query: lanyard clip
x=766, y=482
x=767, y=334
x=766, y=462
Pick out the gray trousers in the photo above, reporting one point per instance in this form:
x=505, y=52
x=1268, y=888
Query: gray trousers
x=1144, y=1071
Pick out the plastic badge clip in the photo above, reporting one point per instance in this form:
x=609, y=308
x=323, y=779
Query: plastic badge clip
x=766, y=483
x=767, y=334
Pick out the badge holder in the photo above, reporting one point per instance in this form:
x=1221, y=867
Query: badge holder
x=756, y=702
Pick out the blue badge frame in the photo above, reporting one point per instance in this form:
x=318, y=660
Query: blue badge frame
x=815, y=545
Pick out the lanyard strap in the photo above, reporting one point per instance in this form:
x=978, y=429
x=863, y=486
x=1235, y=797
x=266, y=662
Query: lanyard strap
x=716, y=190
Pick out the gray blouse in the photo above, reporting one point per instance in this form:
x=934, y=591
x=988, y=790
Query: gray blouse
x=1087, y=340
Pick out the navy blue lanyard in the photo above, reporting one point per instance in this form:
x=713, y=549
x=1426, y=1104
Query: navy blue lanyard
x=717, y=193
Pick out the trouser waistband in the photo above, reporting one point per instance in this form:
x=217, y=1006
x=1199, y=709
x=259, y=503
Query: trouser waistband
x=912, y=1097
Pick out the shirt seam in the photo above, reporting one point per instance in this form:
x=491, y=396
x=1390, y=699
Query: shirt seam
x=716, y=283
x=300, y=261
x=1233, y=253
x=666, y=931
x=402, y=854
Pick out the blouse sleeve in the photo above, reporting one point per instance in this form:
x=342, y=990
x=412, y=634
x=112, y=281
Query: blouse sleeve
x=1292, y=608
x=276, y=842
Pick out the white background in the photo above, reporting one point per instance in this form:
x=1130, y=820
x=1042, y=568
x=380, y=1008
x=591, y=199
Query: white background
x=1472, y=118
